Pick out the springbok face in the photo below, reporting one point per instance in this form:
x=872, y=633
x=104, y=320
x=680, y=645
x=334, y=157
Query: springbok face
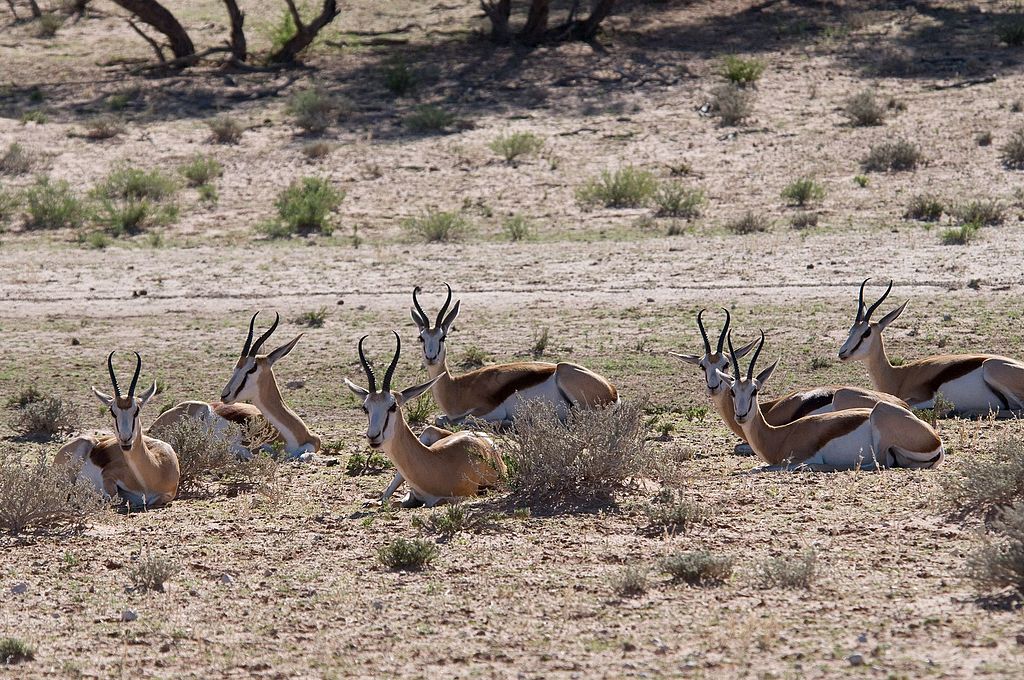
x=864, y=334
x=125, y=409
x=252, y=370
x=381, y=408
x=433, y=339
x=744, y=389
x=713, y=362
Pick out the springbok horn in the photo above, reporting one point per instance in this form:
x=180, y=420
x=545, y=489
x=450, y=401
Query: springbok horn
x=248, y=339
x=388, y=374
x=263, y=338
x=416, y=303
x=113, y=378
x=135, y=378
x=703, y=333
x=725, y=330
x=366, y=366
x=757, y=353
x=444, y=307
x=872, y=308
x=732, y=355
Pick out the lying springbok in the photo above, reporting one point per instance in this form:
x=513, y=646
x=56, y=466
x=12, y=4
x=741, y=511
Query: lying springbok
x=975, y=384
x=494, y=393
x=885, y=435
x=784, y=409
x=252, y=380
x=142, y=470
x=439, y=465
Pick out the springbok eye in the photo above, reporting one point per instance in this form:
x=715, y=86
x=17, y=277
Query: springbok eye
x=394, y=407
x=867, y=333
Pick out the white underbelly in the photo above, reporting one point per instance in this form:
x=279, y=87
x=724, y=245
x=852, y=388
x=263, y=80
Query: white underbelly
x=92, y=473
x=853, y=449
x=969, y=393
x=546, y=391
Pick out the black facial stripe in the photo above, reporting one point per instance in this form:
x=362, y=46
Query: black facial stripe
x=245, y=378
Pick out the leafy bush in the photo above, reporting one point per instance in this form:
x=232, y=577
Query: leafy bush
x=863, y=110
x=405, y=555
x=428, y=118
x=455, y=518
x=959, y=236
x=999, y=563
x=675, y=200
x=43, y=497
x=134, y=183
x=47, y=418
x=732, y=104
x=980, y=212
x=225, y=130
x=1012, y=152
x=748, y=223
x=925, y=207
x=151, y=573
x=53, y=205
x=439, y=226
x=699, y=567
x=627, y=187
x=585, y=459
x=516, y=144
x=314, y=110
x=15, y=160
x=742, y=71
x=892, y=155
x=303, y=208
x=200, y=170
x=802, y=191
x=132, y=200
x=13, y=650
x=518, y=228
x=399, y=78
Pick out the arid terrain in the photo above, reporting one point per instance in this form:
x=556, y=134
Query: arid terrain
x=307, y=596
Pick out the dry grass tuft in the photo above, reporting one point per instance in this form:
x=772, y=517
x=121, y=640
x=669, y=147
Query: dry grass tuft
x=896, y=155
x=627, y=187
x=44, y=419
x=151, y=572
x=748, y=223
x=989, y=480
x=630, y=582
x=699, y=567
x=999, y=563
x=924, y=207
x=671, y=512
x=15, y=160
x=788, y=572
x=732, y=104
x=864, y=110
x=405, y=555
x=13, y=650
x=225, y=130
x=41, y=497
x=1012, y=152
x=455, y=518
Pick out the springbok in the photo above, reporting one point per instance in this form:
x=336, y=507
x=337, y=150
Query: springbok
x=142, y=470
x=975, y=384
x=885, y=435
x=779, y=411
x=252, y=380
x=494, y=393
x=439, y=465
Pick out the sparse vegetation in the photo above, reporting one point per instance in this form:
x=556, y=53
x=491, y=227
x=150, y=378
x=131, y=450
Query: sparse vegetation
x=980, y=212
x=14, y=651
x=317, y=150
x=104, y=127
x=132, y=200
x=798, y=571
x=34, y=116
x=225, y=130
x=200, y=170
x=897, y=155
x=427, y=119
x=732, y=104
x=983, y=138
x=51, y=204
x=455, y=518
x=399, y=78
x=804, y=220
x=365, y=463
x=673, y=199
x=438, y=226
x=473, y=357
x=672, y=512
x=864, y=110
x=629, y=582
x=418, y=411
x=15, y=160
x=802, y=191
x=41, y=497
x=627, y=187
x=518, y=228
x=304, y=207
x=48, y=24
x=10, y=202
x=742, y=71
x=151, y=572
x=46, y=418
x=540, y=342
x=1012, y=152
x=747, y=223
x=405, y=555
x=999, y=562
x=315, y=110
x=314, y=318
x=699, y=567
x=925, y=207
x=515, y=144
x=861, y=180
x=959, y=236
x=988, y=480
x=1011, y=31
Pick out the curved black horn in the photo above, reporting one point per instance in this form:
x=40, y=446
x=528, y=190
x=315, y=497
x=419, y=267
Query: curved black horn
x=725, y=329
x=135, y=378
x=113, y=378
x=732, y=355
x=248, y=339
x=873, y=307
x=860, y=301
x=444, y=307
x=388, y=374
x=703, y=333
x=263, y=338
x=370, y=378
x=416, y=303
x=757, y=353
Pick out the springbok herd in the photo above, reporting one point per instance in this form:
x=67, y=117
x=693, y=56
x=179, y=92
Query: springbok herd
x=823, y=428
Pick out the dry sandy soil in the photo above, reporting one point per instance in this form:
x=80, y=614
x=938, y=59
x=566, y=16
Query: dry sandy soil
x=308, y=597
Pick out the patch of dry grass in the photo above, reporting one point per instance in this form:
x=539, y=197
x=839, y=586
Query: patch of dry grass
x=46, y=418
x=40, y=497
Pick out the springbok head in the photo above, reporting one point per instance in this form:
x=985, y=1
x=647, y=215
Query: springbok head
x=863, y=333
x=713, y=362
x=254, y=370
x=744, y=389
x=433, y=338
x=125, y=409
x=381, y=407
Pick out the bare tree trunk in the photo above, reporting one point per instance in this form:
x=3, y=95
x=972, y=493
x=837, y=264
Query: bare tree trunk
x=153, y=13
x=304, y=33
x=536, y=22
x=498, y=11
x=36, y=12
x=587, y=29
x=239, y=50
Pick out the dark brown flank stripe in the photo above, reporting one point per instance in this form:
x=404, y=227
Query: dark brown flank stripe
x=521, y=382
x=837, y=428
x=950, y=373
x=100, y=456
x=814, y=404
x=236, y=413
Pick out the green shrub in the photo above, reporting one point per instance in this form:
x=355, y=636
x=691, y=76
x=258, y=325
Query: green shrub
x=861, y=180
x=10, y=202
x=439, y=226
x=134, y=183
x=405, y=555
x=314, y=318
x=892, y=155
x=518, y=228
x=627, y=187
x=132, y=200
x=788, y=572
x=980, y=212
x=13, y=650
x=742, y=71
x=672, y=199
x=314, y=110
x=282, y=31
x=802, y=191
x=225, y=130
x=748, y=223
x=428, y=118
x=399, y=78
x=303, y=208
x=208, y=193
x=201, y=170
x=1012, y=152
x=959, y=236
x=516, y=144
x=699, y=567
x=34, y=116
x=925, y=207
x=863, y=110
x=53, y=205
x=15, y=160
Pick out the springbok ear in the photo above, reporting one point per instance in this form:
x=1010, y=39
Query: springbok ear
x=763, y=376
x=283, y=350
x=105, y=398
x=725, y=377
x=688, y=358
x=356, y=389
x=452, y=315
x=745, y=350
x=147, y=395
x=891, y=316
x=417, y=320
x=413, y=392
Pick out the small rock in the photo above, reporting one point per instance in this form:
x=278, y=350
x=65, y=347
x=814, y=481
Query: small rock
x=810, y=266
x=1020, y=639
x=19, y=588
x=856, y=659
x=341, y=302
x=129, y=615
x=862, y=638
x=628, y=647
x=650, y=299
x=227, y=579
x=75, y=342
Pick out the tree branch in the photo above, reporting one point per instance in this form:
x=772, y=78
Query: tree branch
x=239, y=49
x=152, y=43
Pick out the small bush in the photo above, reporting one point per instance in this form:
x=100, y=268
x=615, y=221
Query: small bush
x=303, y=208
x=13, y=650
x=42, y=497
x=980, y=212
x=673, y=513
x=804, y=220
x=314, y=318
x=48, y=25
x=207, y=193
x=1012, y=152
x=10, y=202
x=28, y=395
x=892, y=155
x=748, y=223
x=317, y=150
x=151, y=573
x=732, y=104
x=455, y=518
x=586, y=459
x=132, y=200
x=225, y=130
x=134, y=183
x=861, y=180
x=989, y=480
x=133, y=216
x=540, y=342
x=399, y=78
x=47, y=418
x=15, y=160
x=200, y=170
x=699, y=567
x=282, y=31
x=428, y=118
x=104, y=127
x=802, y=191
x=1011, y=32
x=53, y=205
x=628, y=187
x=405, y=555
x=518, y=228
x=438, y=226
x=959, y=236
x=999, y=563
x=366, y=463
x=864, y=110
x=924, y=207
x=418, y=411
x=34, y=116
x=788, y=572
x=97, y=240
x=630, y=582
x=516, y=144
x=742, y=71
x=675, y=200
x=314, y=110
